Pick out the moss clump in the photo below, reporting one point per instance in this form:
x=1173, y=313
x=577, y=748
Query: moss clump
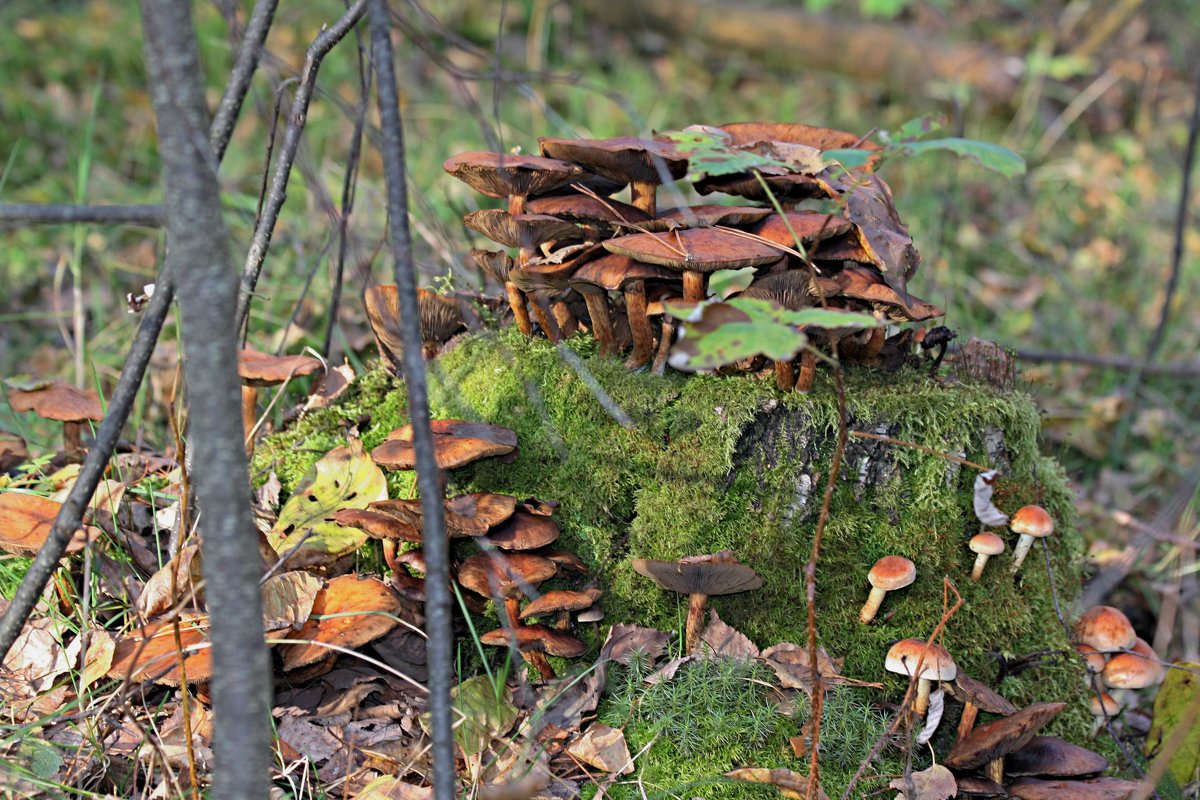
x=667, y=467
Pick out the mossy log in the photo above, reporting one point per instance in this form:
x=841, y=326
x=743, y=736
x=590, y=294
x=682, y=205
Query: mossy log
x=664, y=467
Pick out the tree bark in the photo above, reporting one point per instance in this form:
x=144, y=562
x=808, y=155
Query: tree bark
x=207, y=291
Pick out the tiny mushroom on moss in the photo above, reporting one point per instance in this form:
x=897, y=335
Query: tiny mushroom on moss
x=560, y=603
x=984, y=546
x=1103, y=706
x=935, y=664
x=1031, y=522
x=63, y=403
x=888, y=574
x=534, y=642
x=699, y=577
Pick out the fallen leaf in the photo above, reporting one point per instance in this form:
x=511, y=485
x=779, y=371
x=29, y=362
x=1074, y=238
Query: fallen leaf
x=720, y=639
x=792, y=666
x=25, y=522
x=789, y=783
x=487, y=714
x=933, y=716
x=309, y=738
x=149, y=652
x=345, y=477
x=624, y=641
x=385, y=787
x=935, y=783
x=99, y=658
x=604, y=748
x=179, y=579
x=667, y=671
x=1179, y=693
x=288, y=599
x=985, y=511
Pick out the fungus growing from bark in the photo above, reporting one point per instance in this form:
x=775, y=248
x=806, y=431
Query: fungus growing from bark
x=699, y=577
x=63, y=403
x=984, y=545
x=935, y=662
x=888, y=574
x=1031, y=522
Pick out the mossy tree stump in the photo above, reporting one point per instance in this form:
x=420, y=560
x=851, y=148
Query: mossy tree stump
x=669, y=467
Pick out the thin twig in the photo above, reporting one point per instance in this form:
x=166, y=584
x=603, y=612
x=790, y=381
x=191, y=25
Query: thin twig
x=812, y=790
x=15, y=214
x=921, y=447
x=437, y=556
x=261, y=240
x=1178, y=369
x=239, y=79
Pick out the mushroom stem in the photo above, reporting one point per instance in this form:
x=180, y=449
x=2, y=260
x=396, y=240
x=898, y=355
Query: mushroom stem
x=639, y=325
x=249, y=415
x=1021, y=550
x=516, y=204
x=921, y=704
x=967, y=722
x=785, y=376
x=537, y=659
x=874, y=599
x=512, y=611
x=516, y=301
x=597, y=306
x=693, y=287
x=567, y=323
x=644, y=195
x=545, y=317
x=995, y=770
x=563, y=623
x=695, y=617
x=73, y=437
x=980, y=562
x=666, y=338
x=389, y=555
x=808, y=370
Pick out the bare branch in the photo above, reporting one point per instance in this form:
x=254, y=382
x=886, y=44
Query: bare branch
x=146, y=216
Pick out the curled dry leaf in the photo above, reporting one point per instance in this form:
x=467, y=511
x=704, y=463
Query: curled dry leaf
x=345, y=477
x=603, y=747
x=935, y=783
x=179, y=579
x=288, y=599
x=386, y=787
x=933, y=716
x=25, y=522
x=348, y=612
x=721, y=639
x=985, y=511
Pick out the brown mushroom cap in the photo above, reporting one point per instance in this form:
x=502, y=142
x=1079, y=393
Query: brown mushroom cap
x=708, y=578
x=523, y=531
x=496, y=264
x=537, y=637
x=264, y=369
x=986, y=543
x=789, y=188
x=612, y=271
x=994, y=740
x=505, y=174
x=892, y=572
x=936, y=663
x=1032, y=521
x=456, y=442
x=979, y=694
x=563, y=559
x=866, y=284
x=625, y=158
x=378, y=524
x=1051, y=756
x=523, y=230
x=466, y=514
x=1104, y=705
x=1094, y=789
x=1093, y=659
x=586, y=209
x=58, y=401
x=810, y=226
x=744, y=133
x=704, y=216
x=560, y=600
x=504, y=574
x=694, y=250
x=978, y=786
x=1136, y=669
x=1106, y=629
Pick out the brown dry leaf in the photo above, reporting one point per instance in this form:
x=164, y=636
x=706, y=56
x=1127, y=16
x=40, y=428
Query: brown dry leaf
x=794, y=669
x=721, y=639
x=789, y=783
x=178, y=579
x=881, y=231
x=330, y=386
x=935, y=783
x=100, y=652
x=106, y=498
x=288, y=599
x=523, y=783
x=625, y=640
x=25, y=521
x=667, y=671
x=386, y=787
x=309, y=737
x=348, y=612
x=604, y=748
x=149, y=653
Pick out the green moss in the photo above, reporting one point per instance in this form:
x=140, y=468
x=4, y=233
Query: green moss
x=697, y=464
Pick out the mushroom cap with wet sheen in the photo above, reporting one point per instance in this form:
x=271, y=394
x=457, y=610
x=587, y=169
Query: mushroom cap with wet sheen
x=561, y=600
x=523, y=531
x=892, y=572
x=1106, y=629
x=936, y=662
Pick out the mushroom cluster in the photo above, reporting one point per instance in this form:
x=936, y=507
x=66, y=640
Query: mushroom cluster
x=576, y=258
x=1114, y=654
x=514, y=543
